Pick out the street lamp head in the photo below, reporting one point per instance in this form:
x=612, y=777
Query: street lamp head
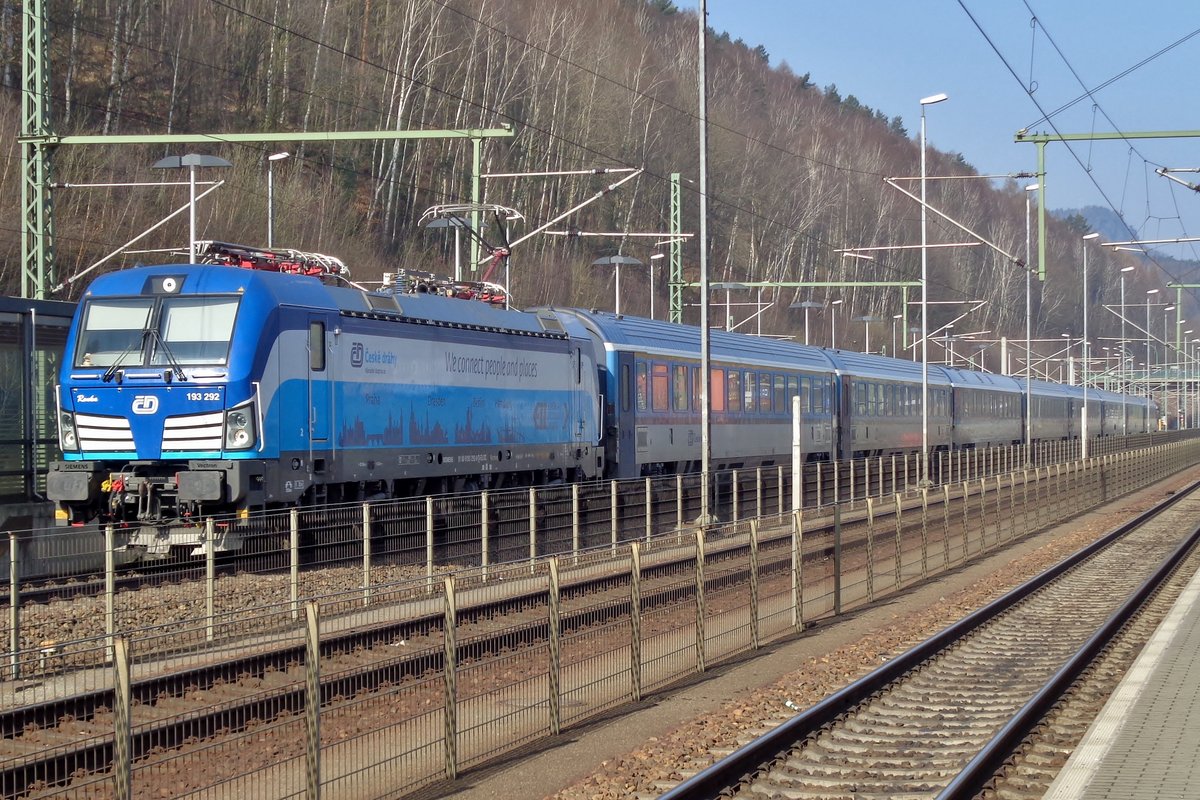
x=835, y=302
x=190, y=160
x=657, y=256
x=1152, y=291
x=278, y=156
x=1127, y=269
x=616, y=261
x=1033, y=187
x=803, y=304
x=1090, y=236
x=934, y=98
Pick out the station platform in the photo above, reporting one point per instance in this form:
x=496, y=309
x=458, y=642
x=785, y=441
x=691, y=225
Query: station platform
x=1146, y=741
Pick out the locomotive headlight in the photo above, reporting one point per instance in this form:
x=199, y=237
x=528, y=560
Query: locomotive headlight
x=239, y=428
x=66, y=431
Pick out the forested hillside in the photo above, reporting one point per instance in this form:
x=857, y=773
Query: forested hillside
x=796, y=170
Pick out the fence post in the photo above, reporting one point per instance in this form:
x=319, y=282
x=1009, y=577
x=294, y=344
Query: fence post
x=899, y=568
x=485, y=531
x=945, y=526
x=924, y=531
x=450, y=679
x=850, y=464
x=966, y=507
x=736, y=498
x=312, y=701
x=294, y=561
x=429, y=543
x=122, y=722
x=575, y=520
x=837, y=555
x=754, y=643
x=798, y=570
x=649, y=510
x=533, y=530
x=679, y=503
x=635, y=621
x=210, y=579
x=366, y=553
x=999, y=513
x=758, y=492
x=555, y=668
x=110, y=589
x=982, y=514
x=613, y=511
x=14, y=608
x=820, y=489
x=870, y=549
x=700, y=601
x=780, y=483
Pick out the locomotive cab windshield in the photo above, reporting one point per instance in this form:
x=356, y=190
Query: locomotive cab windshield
x=156, y=331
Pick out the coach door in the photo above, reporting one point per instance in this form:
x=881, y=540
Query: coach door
x=318, y=386
x=623, y=411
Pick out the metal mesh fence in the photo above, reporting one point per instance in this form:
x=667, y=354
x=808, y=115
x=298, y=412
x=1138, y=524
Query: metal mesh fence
x=416, y=671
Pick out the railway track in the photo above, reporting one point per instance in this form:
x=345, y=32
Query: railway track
x=948, y=714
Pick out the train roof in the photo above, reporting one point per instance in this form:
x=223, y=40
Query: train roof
x=655, y=336
x=1049, y=389
x=623, y=332
x=310, y=292
x=864, y=365
x=982, y=380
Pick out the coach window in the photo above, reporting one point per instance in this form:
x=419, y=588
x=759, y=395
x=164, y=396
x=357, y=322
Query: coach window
x=750, y=392
x=695, y=388
x=793, y=389
x=733, y=390
x=659, y=388
x=781, y=395
x=679, y=387
x=316, y=346
x=716, y=389
x=643, y=387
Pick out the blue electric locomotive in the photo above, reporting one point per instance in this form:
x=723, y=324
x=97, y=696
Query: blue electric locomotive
x=191, y=390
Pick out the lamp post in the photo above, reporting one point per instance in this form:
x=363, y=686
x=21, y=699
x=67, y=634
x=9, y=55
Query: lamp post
x=1163, y=378
x=1029, y=190
x=1149, y=391
x=191, y=161
x=1086, y=362
x=807, y=305
x=866, y=320
x=1121, y=369
x=833, y=324
x=458, y=223
x=653, y=258
x=895, y=342
x=925, y=101
x=616, y=262
x=271, y=159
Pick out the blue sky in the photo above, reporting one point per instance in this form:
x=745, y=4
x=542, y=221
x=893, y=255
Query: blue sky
x=891, y=53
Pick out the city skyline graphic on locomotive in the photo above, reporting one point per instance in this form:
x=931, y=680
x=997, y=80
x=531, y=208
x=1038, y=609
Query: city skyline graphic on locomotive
x=253, y=383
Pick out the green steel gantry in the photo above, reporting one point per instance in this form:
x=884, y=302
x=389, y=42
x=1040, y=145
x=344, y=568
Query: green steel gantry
x=38, y=142
x=1041, y=139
